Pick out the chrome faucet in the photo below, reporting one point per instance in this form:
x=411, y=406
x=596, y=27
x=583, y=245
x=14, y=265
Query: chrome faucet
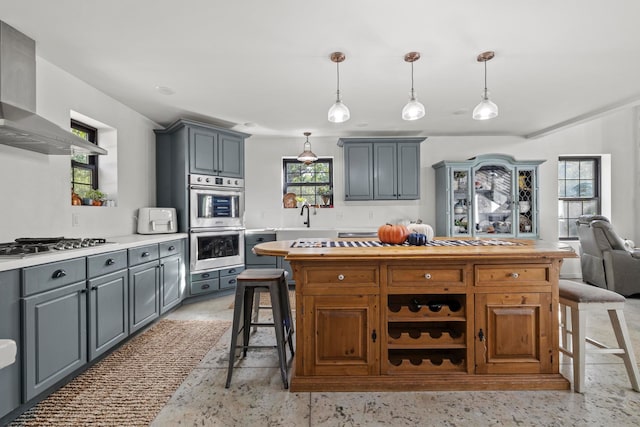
x=307, y=222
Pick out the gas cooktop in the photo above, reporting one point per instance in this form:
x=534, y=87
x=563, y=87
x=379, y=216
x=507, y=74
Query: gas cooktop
x=41, y=245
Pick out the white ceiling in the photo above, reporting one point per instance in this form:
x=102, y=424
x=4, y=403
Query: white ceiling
x=266, y=62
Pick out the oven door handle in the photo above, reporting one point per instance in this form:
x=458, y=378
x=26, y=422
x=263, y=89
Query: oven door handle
x=216, y=230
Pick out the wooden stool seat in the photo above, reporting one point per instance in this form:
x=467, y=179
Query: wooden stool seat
x=576, y=300
x=250, y=282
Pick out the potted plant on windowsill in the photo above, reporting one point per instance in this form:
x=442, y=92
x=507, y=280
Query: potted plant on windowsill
x=95, y=197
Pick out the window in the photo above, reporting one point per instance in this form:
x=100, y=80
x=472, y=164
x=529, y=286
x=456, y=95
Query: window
x=578, y=192
x=312, y=183
x=84, y=167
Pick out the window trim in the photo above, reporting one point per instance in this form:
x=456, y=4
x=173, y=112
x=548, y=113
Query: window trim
x=293, y=160
x=93, y=159
x=597, y=188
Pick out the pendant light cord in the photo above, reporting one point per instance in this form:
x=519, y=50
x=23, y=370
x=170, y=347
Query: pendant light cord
x=485, y=79
x=338, y=80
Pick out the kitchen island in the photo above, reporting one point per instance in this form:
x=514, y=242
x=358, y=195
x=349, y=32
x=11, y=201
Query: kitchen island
x=455, y=315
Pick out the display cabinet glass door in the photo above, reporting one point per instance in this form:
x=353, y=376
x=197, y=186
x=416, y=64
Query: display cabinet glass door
x=461, y=202
x=493, y=200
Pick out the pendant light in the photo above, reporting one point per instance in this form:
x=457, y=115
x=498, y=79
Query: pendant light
x=338, y=112
x=414, y=110
x=485, y=109
x=307, y=156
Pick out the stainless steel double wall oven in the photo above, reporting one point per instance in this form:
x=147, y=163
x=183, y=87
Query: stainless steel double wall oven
x=216, y=222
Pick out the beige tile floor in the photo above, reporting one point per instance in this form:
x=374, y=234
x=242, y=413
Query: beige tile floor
x=256, y=396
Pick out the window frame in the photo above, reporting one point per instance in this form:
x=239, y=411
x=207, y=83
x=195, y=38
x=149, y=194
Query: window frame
x=92, y=164
x=597, y=190
x=292, y=160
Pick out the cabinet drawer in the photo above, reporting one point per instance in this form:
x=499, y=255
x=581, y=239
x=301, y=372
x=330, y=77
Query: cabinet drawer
x=426, y=276
x=170, y=248
x=54, y=275
x=254, y=238
x=513, y=275
x=204, y=286
x=342, y=276
x=98, y=265
x=143, y=254
x=206, y=275
x=227, y=282
x=233, y=271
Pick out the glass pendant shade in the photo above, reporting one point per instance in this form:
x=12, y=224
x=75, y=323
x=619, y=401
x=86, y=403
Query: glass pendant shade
x=307, y=156
x=338, y=112
x=414, y=110
x=486, y=109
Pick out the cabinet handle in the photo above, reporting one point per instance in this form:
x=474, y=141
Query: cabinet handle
x=93, y=288
x=110, y=261
x=427, y=276
x=145, y=254
x=233, y=270
x=232, y=281
x=340, y=276
x=172, y=248
x=207, y=286
x=374, y=336
x=205, y=276
x=260, y=239
x=515, y=275
x=58, y=274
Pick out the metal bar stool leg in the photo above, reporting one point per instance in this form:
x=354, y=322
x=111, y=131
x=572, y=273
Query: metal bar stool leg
x=279, y=327
x=235, y=330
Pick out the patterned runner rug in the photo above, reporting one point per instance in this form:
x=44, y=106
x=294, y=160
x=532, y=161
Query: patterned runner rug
x=132, y=384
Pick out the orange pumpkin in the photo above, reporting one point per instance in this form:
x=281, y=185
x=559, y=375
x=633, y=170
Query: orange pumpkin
x=393, y=233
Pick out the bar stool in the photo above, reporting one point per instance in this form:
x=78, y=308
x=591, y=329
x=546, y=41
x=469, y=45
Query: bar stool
x=270, y=280
x=576, y=300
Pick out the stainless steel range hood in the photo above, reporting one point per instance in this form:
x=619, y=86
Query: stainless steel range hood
x=20, y=126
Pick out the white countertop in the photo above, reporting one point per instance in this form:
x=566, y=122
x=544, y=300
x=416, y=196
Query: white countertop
x=113, y=244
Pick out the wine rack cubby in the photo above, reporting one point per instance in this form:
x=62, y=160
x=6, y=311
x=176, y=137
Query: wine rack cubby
x=426, y=361
x=432, y=334
x=426, y=307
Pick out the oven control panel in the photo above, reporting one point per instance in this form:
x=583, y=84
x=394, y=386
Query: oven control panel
x=217, y=181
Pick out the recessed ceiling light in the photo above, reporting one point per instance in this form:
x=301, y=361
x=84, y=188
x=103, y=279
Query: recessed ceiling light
x=165, y=90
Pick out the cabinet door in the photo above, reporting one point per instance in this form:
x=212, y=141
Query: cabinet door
x=408, y=171
x=493, y=201
x=144, y=304
x=170, y=280
x=108, y=312
x=231, y=156
x=527, y=208
x=55, y=336
x=516, y=333
x=385, y=171
x=343, y=335
x=10, y=379
x=203, y=156
x=358, y=171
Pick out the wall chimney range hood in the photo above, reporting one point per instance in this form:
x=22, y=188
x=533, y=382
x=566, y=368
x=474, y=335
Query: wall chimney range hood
x=20, y=126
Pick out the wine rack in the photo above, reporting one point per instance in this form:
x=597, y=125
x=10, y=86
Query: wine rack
x=426, y=333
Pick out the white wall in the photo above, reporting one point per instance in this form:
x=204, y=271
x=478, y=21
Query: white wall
x=35, y=190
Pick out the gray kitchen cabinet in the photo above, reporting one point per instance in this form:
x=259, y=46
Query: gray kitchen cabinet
x=108, y=309
x=54, y=323
x=381, y=168
x=144, y=295
x=214, y=280
x=491, y=195
x=10, y=376
x=171, y=274
x=252, y=260
x=190, y=147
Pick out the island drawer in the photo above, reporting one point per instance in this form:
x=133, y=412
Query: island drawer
x=342, y=276
x=410, y=276
x=521, y=274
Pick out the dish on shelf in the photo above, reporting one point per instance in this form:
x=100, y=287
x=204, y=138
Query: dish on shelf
x=525, y=224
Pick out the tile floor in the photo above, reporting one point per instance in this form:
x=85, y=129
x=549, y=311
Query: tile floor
x=256, y=396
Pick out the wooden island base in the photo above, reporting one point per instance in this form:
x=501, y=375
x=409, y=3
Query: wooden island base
x=399, y=318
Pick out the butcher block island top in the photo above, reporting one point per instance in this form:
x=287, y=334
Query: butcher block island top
x=465, y=314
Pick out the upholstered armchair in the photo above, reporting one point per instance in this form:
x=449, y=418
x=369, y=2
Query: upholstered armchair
x=605, y=260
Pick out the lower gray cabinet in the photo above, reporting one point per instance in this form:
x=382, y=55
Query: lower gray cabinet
x=108, y=312
x=144, y=295
x=55, y=336
x=171, y=274
x=10, y=376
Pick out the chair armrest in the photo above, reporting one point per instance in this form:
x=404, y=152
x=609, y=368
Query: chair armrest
x=622, y=270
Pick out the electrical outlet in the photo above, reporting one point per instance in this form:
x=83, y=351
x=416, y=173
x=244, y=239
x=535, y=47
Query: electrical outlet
x=75, y=219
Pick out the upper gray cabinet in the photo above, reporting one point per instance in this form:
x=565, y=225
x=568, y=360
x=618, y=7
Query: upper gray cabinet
x=381, y=168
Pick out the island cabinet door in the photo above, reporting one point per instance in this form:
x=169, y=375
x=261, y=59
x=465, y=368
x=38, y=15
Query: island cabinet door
x=341, y=335
x=513, y=333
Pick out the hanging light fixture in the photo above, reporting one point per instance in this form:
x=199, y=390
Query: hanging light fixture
x=338, y=112
x=485, y=109
x=307, y=156
x=414, y=110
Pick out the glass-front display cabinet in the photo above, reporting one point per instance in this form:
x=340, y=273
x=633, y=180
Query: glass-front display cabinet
x=489, y=195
